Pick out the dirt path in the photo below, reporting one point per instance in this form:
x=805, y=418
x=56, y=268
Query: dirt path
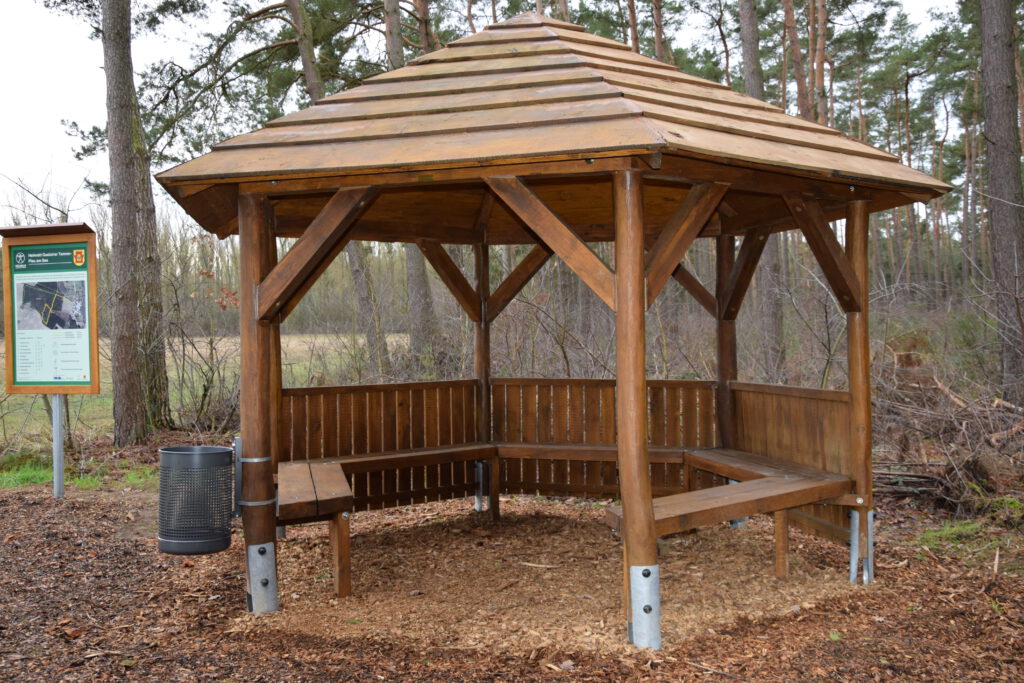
x=442, y=594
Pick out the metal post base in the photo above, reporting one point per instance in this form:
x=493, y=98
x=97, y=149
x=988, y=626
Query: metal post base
x=865, y=567
x=262, y=571
x=478, y=501
x=482, y=469
x=645, y=607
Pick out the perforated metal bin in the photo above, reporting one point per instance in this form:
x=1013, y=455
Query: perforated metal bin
x=195, y=499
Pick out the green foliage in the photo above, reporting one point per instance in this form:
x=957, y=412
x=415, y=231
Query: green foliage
x=24, y=474
x=950, y=535
x=142, y=477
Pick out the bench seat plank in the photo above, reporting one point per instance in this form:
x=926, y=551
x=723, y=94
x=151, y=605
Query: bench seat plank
x=568, y=451
x=375, y=462
x=333, y=493
x=741, y=466
x=296, y=495
x=692, y=509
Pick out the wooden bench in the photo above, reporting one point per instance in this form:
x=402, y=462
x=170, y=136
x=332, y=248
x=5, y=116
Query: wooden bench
x=320, y=489
x=764, y=485
x=373, y=491
x=316, y=490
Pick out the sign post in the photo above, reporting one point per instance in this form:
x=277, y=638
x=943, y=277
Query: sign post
x=50, y=328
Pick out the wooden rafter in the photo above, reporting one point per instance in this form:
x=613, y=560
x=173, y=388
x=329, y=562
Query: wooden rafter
x=516, y=280
x=483, y=215
x=742, y=273
x=810, y=218
x=453, y=278
x=556, y=235
x=322, y=241
x=679, y=232
x=696, y=289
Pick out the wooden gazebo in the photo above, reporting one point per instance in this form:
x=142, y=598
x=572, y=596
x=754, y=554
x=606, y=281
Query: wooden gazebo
x=535, y=132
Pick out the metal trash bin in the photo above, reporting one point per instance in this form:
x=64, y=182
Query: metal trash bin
x=195, y=499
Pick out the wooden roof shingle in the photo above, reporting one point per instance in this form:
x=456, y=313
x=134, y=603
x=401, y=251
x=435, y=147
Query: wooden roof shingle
x=531, y=88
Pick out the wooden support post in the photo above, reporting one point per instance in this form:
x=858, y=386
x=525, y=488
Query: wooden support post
x=727, y=363
x=276, y=380
x=639, y=537
x=341, y=554
x=482, y=366
x=259, y=499
x=781, y=544
x=859, y=363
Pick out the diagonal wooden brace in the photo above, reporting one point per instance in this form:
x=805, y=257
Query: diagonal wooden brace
x=696, y=289
x=516, y=280
x=453, y=278
x=556, y=235
x=679, y=232
x=306, y=261
x=742, y=273
x=810, y=218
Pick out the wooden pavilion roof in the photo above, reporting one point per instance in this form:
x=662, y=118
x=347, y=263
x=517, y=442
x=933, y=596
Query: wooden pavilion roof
x=529, y=90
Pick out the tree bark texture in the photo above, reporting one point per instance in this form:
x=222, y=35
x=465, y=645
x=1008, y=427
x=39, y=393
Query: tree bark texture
x=368, y=315
x=136, y=334
x=820, y=95
x=634, y=36
x=769, y=275
x=753, y=75
x=658, y=17
x=421, y=321
x=803, y=101
x=1006, y=215
x=304, y=35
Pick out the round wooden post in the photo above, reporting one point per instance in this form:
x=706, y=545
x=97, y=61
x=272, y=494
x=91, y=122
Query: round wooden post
x=725, y=257
x=482, y=343
x=639, y=537
x=482, y=367
x=259, y=499
x=859, y=362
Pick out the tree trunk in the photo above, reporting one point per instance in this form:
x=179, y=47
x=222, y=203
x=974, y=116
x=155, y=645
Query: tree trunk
x=819, y=69
x=129, y=174
x=659, y=32
x=368, y=315
x=803, y=102
x=634, y=36
x=393, y=33
x=753, y=76
x=423, y=23
x=421, y=319
x=769, y=274
x=1006, y=215
x=304, y=36
x=563, y=9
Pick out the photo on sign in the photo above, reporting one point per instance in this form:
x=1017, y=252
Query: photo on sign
x=50, y=305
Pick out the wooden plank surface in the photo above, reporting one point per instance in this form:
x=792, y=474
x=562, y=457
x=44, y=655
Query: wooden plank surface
x=333, y=493
x=692, y=509
x=296, y=493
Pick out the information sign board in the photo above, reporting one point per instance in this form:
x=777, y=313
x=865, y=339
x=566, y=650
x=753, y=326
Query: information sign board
x=50, y=328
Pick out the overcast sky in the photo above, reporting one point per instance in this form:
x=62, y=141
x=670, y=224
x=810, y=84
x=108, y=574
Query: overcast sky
x=52, y=70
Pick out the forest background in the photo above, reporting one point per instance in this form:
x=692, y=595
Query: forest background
x=941, y=319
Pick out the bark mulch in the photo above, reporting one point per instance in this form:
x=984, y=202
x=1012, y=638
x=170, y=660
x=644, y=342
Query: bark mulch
x=441, y=593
